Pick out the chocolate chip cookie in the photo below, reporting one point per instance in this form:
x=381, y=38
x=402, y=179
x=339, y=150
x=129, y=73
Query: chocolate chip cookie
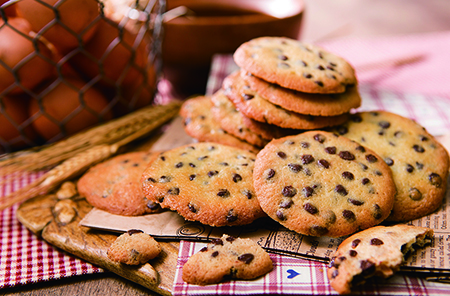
x=206, y=182
x=419, y=163
x=320, y=184
x=295, y=65
x=227, y=257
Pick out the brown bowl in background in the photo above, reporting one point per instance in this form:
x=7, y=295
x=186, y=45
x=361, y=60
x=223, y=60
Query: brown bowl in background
x=219, y=26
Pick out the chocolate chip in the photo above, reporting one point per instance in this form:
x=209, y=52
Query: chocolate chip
x=329, y=217
x=348, y=175
x=409, y=168
x=223, y=193
x=330, y=150
x=353, y=253
x=418, y=148
x=419, y=165
x=318, y=230
x=376, y=242
x=423, y=138
x=355, y=243
x=192, y=165
x=363, y=166
x=389, y=161
x=217, y=241
x=342, y=130
x=304, y=144
x=415, y=194
x=289, y=191
x=237, y=178
x=215, y=254
x=152, y=205
x=310, y=208
x=319, y=83
x=280, y=215
x=349, y=215
x=281, y=155
x=286, y=204
x=360, y=149
x=341, y=190
x=307, y=158
x=192, y=208
x=270, y=174
x=247, y=97
x=308, y=191
x=384, y=124
x=355, y=202
x=224, y=163
x=160, y=199
x=378, y=173
x=323, y=163
x=174, y=191
x=202, y=157
x=134, y=231
x=365, y=181
x=246, y=258
x=435, y=179
x=319, y=138
x=212, y=173
x=179, y=165
x=231, y=216
x=307, y=75
x=295, y=167
x=377, y=214
x=247, y=193
x=356, y=118
x=230, y=239
x=150, y=179
x=163, y=158
x=165, y=179
x=204, y=249
x=320, y=67
x=192, y=177
x=371, y=158
x=346, y=155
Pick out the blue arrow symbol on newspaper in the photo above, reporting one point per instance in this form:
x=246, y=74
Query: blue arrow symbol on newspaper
x=292, y=273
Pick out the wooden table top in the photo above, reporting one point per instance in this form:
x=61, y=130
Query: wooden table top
x=323, y=19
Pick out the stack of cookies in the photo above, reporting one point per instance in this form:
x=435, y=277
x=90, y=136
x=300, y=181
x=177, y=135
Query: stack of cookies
x=283, y=87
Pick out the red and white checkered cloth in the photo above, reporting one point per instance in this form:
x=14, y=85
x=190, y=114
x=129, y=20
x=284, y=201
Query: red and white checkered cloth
x=25, y=258
x=294, y=276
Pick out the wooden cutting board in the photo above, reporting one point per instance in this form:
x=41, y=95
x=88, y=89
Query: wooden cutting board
x=38, y=214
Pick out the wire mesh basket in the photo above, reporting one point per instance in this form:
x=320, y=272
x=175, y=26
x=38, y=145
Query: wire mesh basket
x=66, y=65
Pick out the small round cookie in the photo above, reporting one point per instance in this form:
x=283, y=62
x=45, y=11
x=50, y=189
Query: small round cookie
x=377, y=251
x=418, y=162
x=295, y=65
x=200, y=124
x=114, y=185
x=252, y=105
x=206, y=182
x=231, y=120
x=305, y=103
x=317, y=183
x=227, y=257
x=134, y=247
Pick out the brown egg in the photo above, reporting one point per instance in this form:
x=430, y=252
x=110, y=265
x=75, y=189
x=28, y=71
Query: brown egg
x=15, y=132
x=76, y=18
x=60, y=112
x=112, y=55
x=18, y=53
